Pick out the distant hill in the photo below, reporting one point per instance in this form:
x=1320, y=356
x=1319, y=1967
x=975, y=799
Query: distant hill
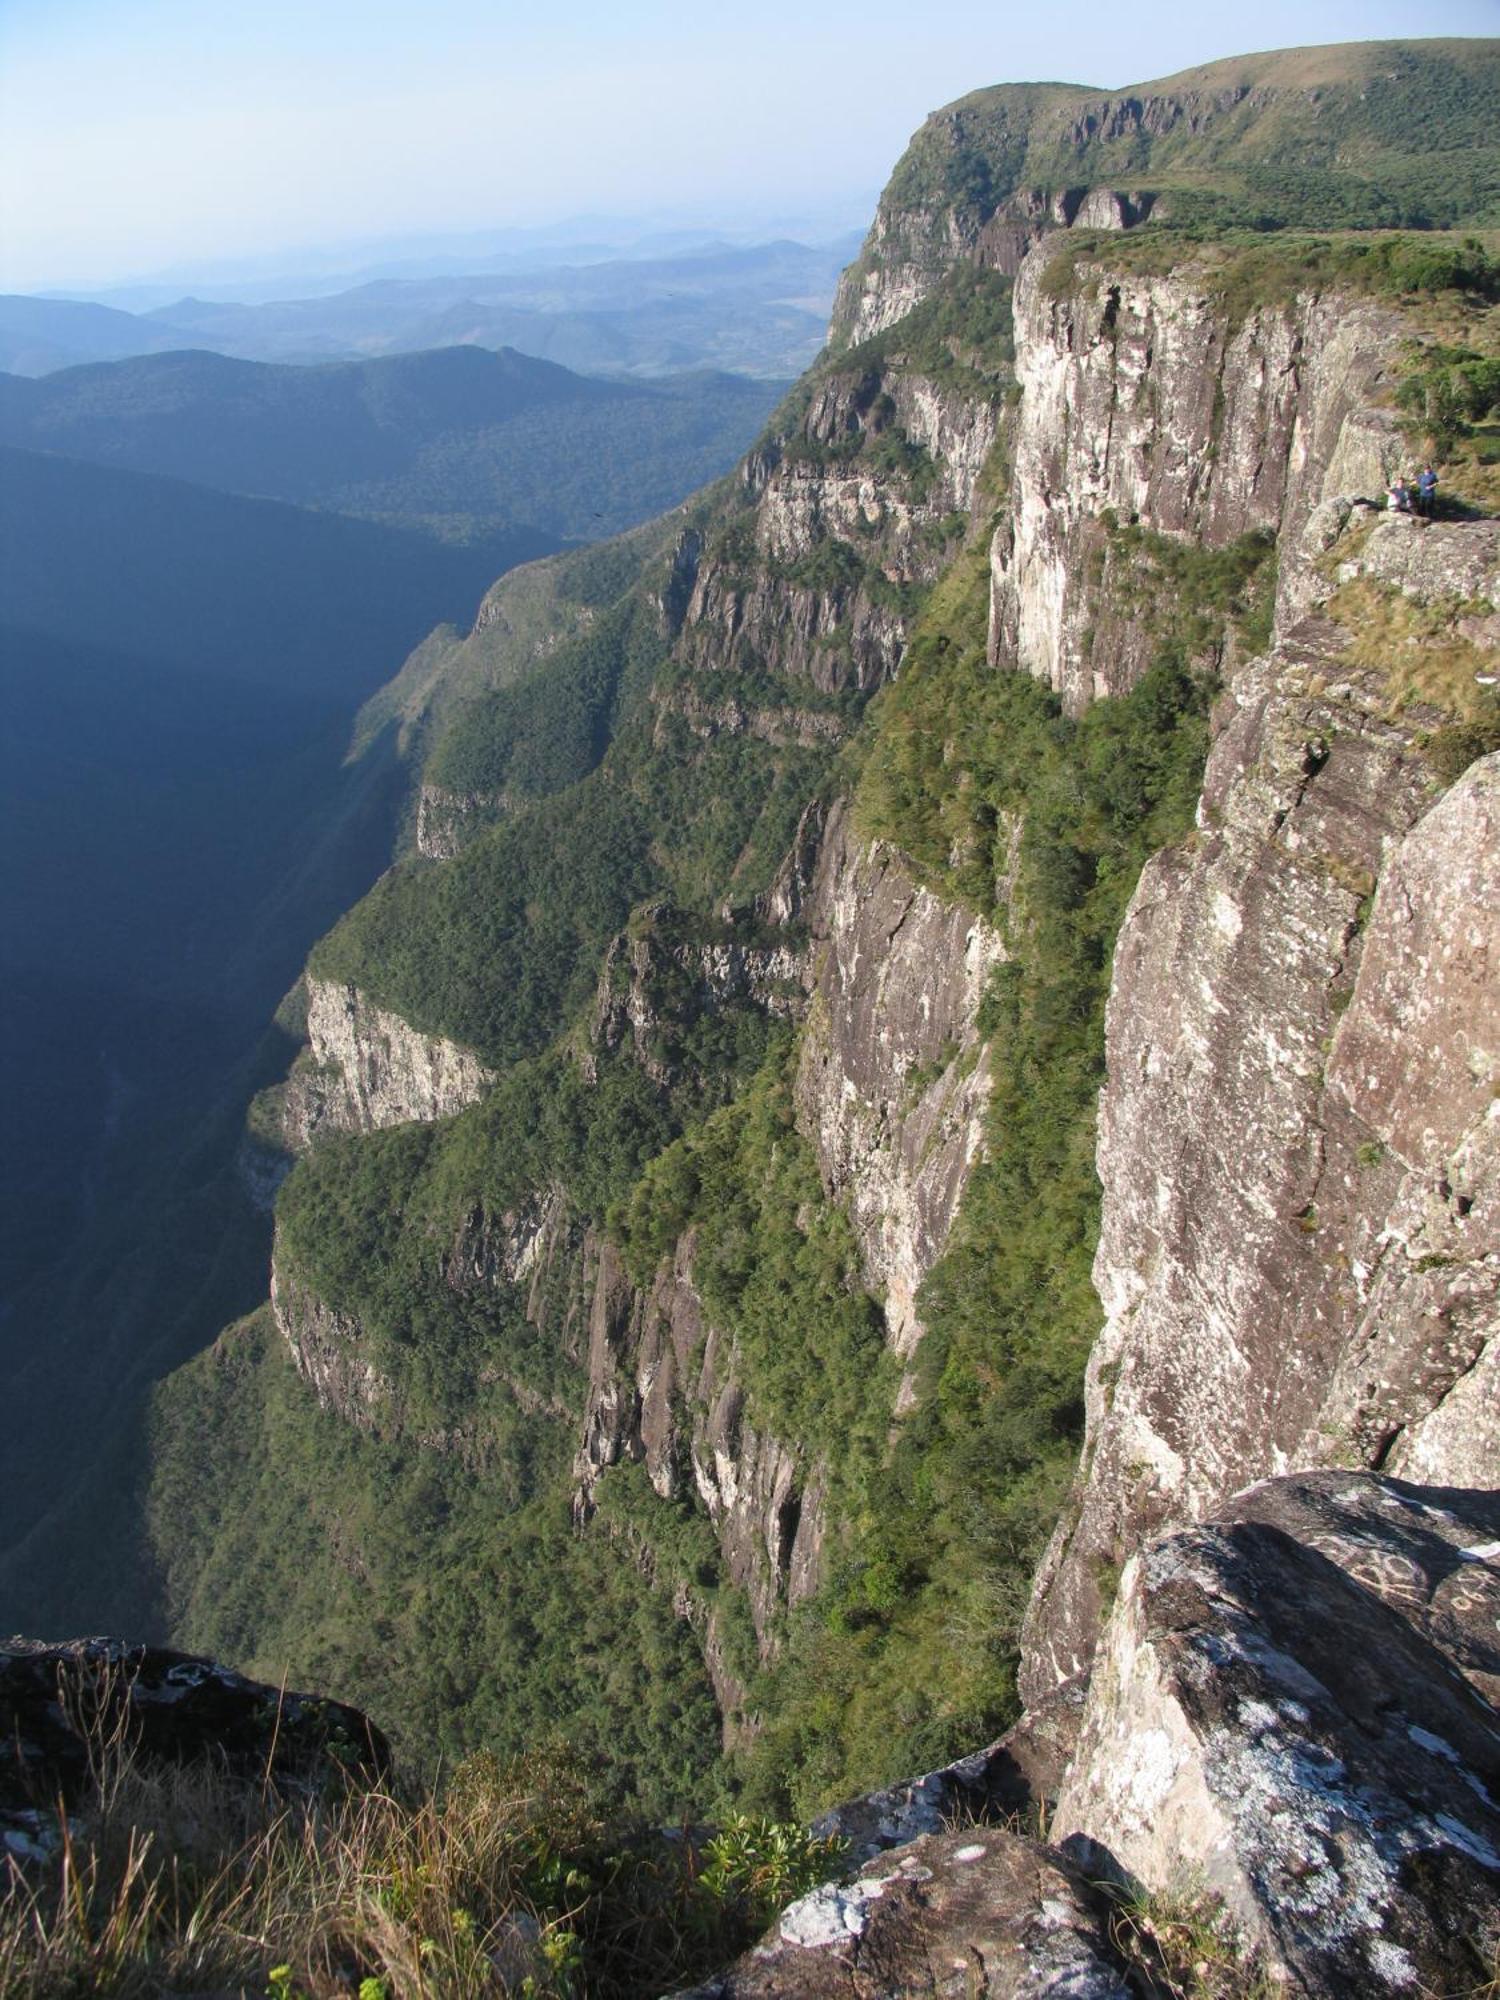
x=1356, y=135
x=760, y=310
x=38, y=335
x=466, y=443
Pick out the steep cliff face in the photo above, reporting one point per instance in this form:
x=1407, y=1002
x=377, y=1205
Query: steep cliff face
x=891, y=1091
x=1149, y=397
x=1298, y=1256
x=893, y=1080
x=366, y=1068
x=773, y=889
x=664, y=1388
x=856, y=504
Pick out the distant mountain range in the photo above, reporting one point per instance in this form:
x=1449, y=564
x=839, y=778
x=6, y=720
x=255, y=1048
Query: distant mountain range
x=758, y=310
x=463, y=443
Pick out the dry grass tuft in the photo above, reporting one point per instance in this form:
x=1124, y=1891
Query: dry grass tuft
x=1182, y=1945
x=185, y=1881
x=1420, y=648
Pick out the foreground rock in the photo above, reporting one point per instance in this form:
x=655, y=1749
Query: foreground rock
x=1289, y=1705
x=64, y=1707
x=979, y=1911
x=1015, y=1781
x=1288, y=1758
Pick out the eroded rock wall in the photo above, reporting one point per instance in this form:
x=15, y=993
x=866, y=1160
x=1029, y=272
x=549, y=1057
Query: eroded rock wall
x=665, y=1389
x=366, y=1068
x=1147, y=401
x=1300, y=1255
x=816, y=582
x=893, y=1079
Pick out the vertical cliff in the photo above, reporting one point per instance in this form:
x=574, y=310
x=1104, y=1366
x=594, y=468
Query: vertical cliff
x=830, y=988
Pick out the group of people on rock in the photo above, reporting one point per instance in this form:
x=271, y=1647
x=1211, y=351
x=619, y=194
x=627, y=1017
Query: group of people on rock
x=1414, y=496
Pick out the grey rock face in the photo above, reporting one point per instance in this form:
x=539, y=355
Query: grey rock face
x=1141, y=397
x=980, y=1911
x=446, y=820
x=366, y=1068
x=1298, y=1260
x=664, y=1389
x=331, y=1352
x=1285, y=1710
x=892, y=1085
x=814, y=494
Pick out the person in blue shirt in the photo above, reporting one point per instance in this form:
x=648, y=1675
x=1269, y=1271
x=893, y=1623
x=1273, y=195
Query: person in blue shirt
x=1427, y=485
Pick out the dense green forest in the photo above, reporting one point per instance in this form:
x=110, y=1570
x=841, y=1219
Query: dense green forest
x=467, y=446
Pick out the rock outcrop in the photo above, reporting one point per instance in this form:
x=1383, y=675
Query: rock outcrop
x=664, y=1389
x=64, y=1708
x=977, y=1912
x=1145, y=402
x=893, y=1079
x=1298, y=1259
x=1290, y=1731
x=366, y=1068
x=1290, y=1702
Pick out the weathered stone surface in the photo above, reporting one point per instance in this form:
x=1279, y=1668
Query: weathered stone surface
x=1299, y=1258
x=60, y=1703
x=366, y=1068
x=1142, y=397
x=817, y=494
x=1286, y=1706
x=1014, y=1779
x=664, y=1389
x=331, y=1352
x=1429, y=1552
x=1431, y=560
x=892, y=1085
x=980, y=1911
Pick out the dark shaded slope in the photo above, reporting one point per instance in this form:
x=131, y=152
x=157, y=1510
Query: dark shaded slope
x=237, y=589
x=179, y=671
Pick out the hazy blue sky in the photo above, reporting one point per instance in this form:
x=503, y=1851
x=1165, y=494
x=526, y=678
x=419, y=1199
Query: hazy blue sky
x=139, y=133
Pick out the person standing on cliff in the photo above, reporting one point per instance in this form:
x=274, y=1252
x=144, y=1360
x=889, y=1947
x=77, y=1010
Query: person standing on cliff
x=1427, y=485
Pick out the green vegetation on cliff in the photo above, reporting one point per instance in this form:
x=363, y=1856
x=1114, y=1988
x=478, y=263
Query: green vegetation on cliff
x=906, y=1658
x=640, y=783
x=463, y=1613
x=1364, y=135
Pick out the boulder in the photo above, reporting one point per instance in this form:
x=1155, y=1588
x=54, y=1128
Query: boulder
x=60, y=1704
x=1015, y=1779
x=978, y=1911
x=1289, y=1708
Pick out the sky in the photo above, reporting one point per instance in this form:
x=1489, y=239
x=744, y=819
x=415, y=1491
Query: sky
x=141, y=135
